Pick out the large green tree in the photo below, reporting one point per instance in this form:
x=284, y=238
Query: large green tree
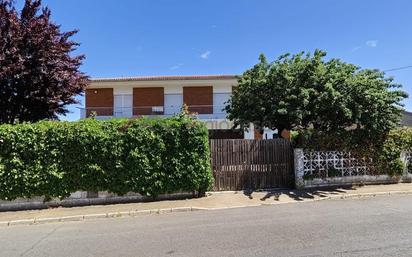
x=305, y=91
x=39, y=75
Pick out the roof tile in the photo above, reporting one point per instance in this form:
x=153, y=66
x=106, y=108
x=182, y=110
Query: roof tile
x=151, y=78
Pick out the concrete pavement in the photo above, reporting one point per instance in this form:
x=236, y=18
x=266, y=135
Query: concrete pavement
x=211, y=202
x=378, y=226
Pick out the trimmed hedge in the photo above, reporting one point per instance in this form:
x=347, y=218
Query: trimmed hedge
x=147, y=156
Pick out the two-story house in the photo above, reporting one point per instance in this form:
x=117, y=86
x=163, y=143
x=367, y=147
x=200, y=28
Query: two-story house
x=130, y=97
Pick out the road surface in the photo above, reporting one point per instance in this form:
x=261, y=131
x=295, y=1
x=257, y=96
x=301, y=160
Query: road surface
x=379, y=226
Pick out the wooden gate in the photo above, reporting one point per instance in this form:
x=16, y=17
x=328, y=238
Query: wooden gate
x=240, y=164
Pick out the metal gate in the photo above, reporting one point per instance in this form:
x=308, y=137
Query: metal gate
x=240, y=164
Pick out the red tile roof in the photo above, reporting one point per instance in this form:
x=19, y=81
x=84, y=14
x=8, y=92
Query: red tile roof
x=151, y=78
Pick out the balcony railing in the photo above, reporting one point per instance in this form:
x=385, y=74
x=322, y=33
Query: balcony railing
x=202, y=111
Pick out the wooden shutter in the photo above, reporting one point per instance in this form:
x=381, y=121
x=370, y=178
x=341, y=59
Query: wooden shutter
x=100, y=101
x=199, y=99
x=145, y=98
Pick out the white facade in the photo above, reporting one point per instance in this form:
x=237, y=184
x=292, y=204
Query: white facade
x=173, y=93
x=173, y=97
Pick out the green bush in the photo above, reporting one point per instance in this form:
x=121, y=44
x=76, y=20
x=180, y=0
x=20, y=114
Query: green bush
x=147, y=156
x=398, y=141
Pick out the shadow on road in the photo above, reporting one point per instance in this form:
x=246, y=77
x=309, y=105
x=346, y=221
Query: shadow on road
x=300, y=195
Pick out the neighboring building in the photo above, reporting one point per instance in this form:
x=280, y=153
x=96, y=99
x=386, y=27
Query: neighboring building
x=164, y=96
x=406, y=119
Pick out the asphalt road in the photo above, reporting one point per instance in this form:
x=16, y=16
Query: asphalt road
x=380, y=226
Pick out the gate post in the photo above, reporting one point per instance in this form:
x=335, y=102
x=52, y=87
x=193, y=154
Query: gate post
x=299, y=168
x=406, y=159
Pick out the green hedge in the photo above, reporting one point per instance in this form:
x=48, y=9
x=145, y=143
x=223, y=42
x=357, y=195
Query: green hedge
x=147, y=156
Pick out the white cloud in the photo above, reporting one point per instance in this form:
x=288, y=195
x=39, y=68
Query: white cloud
x=372, y=43
x=176, y=67
x=356, y=48
x=205, y=55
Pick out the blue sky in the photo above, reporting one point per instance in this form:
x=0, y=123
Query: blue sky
x=183, y=37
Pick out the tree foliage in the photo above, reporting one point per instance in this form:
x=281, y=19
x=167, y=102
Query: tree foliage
x=38, y=76
x=305, y=91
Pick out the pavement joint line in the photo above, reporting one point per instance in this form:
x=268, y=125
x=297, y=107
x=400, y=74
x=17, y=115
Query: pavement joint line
x=36, y=221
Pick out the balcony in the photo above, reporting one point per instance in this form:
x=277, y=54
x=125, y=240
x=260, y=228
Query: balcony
x=203, y=112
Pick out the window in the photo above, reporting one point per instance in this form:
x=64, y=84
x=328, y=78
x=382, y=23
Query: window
x=99, y=101
x=199, y=99
x=148, y=101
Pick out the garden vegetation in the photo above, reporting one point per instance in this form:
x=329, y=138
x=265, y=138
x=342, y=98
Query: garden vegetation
x=147, y=156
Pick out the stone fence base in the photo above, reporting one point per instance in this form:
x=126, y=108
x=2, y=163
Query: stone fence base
x=85, y=198
x=353, y=180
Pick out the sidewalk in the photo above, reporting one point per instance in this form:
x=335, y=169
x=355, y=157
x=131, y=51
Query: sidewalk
x=213, y=200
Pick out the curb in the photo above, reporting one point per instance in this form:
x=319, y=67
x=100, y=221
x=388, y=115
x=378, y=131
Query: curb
x=135, y=213
x=37, y=221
